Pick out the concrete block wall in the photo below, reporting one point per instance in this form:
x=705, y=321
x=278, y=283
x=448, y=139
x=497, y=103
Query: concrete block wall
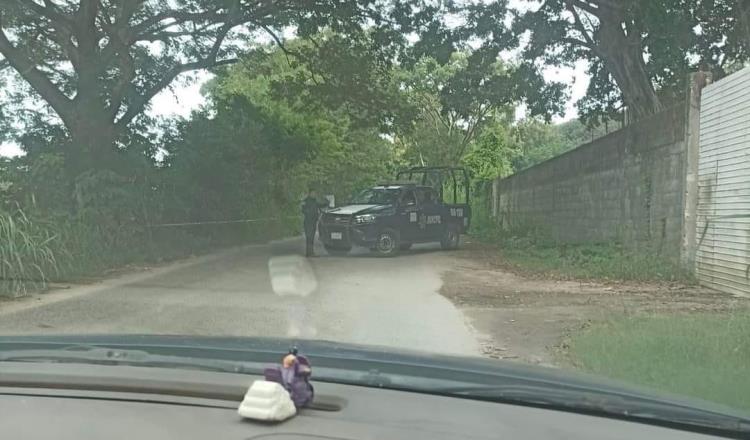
x=627, y=186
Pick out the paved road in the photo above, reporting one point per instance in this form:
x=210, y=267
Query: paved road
x=360, y=299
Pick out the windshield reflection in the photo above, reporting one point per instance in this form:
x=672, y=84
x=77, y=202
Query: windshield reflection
x=377, y=196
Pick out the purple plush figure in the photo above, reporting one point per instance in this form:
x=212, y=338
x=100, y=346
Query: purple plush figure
x=294, y=375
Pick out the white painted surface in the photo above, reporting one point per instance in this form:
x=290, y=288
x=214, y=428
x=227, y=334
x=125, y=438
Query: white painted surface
x=267, y=401
x=723, y=227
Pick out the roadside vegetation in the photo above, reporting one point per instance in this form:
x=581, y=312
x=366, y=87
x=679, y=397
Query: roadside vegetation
x=603, y=261
x=532, y=251
x=26, y=256
x=699, y=355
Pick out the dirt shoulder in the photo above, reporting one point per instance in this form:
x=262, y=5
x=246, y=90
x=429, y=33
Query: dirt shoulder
x=525, y=317
x=61, y=291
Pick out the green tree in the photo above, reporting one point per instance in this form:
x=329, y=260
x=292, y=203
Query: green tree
x=98, y=63
x=538, y=141
x=454, y=102
x=723, y=42
x=609, y=34
x=254, y=151
x=492, y=154
x=639, y=51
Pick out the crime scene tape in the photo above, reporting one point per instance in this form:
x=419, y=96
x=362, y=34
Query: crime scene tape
x=221, y=222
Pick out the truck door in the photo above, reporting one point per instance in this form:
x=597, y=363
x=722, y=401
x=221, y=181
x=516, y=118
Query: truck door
x=409, y=214
x=431, y=214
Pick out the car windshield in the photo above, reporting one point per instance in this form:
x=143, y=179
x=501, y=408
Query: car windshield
x=569, y=180
x=377, y=196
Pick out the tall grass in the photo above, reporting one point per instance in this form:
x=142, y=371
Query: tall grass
x=27, y=259
x=595, y=261
x=700, y=355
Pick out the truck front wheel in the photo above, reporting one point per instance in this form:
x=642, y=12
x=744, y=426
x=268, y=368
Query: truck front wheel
x=388, y=243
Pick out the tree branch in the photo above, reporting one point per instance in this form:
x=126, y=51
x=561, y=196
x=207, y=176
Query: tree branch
x=38, y=81
x=287, y=52
x=127, y=73
x=136, y=107
x=577, y=42
x=167, y=35
x=126, y=65
x=86, y=32
x=578, y=23
x=61, y=24
x=279, y=43
x=178, y=17
x=471, y=131
x=591, y=9
x=49, y=11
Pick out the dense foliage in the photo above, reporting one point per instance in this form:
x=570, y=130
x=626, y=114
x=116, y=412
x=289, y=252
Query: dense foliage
x=640, y=52
x=97, y=64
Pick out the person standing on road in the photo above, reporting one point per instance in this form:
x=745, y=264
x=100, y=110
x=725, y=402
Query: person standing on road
x=311, y=212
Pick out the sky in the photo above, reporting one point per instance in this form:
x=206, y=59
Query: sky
x=182, y=99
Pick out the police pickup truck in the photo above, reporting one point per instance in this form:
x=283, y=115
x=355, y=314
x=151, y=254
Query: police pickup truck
x=390, y=217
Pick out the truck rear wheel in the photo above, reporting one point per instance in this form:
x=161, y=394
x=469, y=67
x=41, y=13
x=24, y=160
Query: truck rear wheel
x=388, y=243
x=451, y=238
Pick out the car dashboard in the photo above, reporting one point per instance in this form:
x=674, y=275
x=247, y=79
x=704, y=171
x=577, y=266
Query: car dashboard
x=71, y=401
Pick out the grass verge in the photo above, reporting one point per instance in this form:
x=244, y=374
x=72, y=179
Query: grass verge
x=531, y=250
x=36, y=251
x=703, y=356
x=594, y=261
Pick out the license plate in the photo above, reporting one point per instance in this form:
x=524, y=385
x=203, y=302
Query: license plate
x=336, y=236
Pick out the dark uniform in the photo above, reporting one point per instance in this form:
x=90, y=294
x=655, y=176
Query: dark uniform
x=311, y=212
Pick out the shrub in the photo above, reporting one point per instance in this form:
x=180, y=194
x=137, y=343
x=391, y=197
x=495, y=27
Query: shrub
x=26, y=257
x=531, y=248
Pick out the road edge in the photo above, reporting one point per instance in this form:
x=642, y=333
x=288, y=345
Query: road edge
x=56, y=295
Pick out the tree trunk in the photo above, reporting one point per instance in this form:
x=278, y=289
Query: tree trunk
x=622, y=55
x=92, y=143
x=638, y=94
x=92, y=126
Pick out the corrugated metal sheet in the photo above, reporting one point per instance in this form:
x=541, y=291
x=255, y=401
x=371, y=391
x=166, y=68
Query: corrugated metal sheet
x=723, y=227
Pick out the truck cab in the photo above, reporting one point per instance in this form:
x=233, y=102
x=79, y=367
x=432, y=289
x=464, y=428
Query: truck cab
x=391, y=216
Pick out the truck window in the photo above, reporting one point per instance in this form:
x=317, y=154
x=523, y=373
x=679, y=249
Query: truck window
x=408, y=198
x=377, y=196
x=421, y=195
x=426, y=196
x=431, y=197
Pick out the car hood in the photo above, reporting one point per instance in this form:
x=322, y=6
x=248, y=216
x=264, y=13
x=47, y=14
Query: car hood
x=358, y=209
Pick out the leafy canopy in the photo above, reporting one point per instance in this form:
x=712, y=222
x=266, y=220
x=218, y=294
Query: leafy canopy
x=640, y=52
x=98, y=63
